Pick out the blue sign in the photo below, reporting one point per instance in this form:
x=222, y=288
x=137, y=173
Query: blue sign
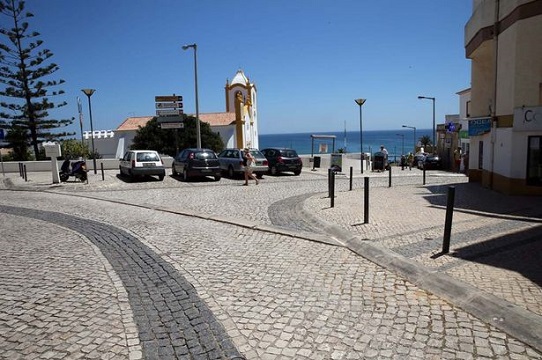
x=479, y=127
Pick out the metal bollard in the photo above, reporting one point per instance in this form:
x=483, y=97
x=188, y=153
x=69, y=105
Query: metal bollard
x=329, y=171
x=24, y=170
x=351, y=176
x=366, y=200
x=332, y=195
x=424, y=175
x=448, y=222
x=21, y=170
x=102, y=168
x=389, y=181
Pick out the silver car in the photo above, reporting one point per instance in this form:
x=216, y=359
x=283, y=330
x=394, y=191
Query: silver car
x=231, y=162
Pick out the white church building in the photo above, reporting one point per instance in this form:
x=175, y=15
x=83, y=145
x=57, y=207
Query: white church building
x=237, y=126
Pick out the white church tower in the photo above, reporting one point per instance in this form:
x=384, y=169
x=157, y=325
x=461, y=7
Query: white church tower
x=241, y=98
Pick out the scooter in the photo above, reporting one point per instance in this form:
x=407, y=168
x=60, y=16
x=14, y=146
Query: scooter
x=78, y=169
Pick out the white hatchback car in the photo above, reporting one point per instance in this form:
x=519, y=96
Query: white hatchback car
x=142, y=163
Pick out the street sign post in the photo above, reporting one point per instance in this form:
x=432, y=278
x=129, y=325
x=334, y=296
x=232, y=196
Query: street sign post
x=172, y=125
x=168, y=98
x=169, y=105
x=169, y=112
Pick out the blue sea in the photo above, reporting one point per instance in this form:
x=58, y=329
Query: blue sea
x=397, y=142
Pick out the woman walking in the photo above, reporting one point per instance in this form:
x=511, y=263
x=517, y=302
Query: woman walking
x=248, y=162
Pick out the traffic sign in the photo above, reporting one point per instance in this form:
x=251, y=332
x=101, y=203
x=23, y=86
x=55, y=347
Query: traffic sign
x=172, y=125
x=168, y=98
x=174, y=112
x=169, y=119
x=169, y=105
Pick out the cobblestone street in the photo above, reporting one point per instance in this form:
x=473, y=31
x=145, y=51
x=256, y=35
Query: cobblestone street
x=215, y=270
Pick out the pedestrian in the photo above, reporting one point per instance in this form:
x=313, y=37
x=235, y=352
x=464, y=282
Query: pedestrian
x=410, y=160
x=248, y=162
x=385, y=152
x=457, y=159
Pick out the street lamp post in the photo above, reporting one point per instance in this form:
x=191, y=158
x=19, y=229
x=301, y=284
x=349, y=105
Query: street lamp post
x=88, y=93
x=432, y=99
x=402, y=143
x=412, y=127
x=198, y=131
x=360, y=102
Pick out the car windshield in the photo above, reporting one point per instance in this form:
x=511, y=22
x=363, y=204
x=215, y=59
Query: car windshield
x=147, y=156
x=202, y=155
x=257, y=154
x=288, y=153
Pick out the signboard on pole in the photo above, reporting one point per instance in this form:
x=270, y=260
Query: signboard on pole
x=169, y=105
x=172, y=125
x=169, y=112
x=168, y=98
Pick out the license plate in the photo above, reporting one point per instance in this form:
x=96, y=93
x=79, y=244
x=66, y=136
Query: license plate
x=149, y=164
x=206, y=170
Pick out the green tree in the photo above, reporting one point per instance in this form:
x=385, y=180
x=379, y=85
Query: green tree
x=25, y=73
x=152, y=137
x=72, y=149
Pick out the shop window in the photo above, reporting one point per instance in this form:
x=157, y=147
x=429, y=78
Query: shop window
x=534, y=161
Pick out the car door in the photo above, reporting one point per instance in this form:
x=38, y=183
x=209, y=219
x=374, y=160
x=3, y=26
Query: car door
x=125, y=162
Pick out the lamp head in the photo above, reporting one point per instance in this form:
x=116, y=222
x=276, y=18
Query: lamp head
x=360, y=101
x=88, y=92
x=186, y=47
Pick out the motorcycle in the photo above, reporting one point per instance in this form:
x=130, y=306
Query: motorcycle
x=78, y=169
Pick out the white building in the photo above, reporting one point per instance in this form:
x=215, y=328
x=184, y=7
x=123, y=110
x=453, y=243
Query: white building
x=237, y=126
x=504, y=41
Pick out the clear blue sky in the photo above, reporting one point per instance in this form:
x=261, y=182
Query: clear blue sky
x=309, y=59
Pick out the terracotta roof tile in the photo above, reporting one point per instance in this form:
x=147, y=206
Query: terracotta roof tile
x=133, y=123
x=213, y=119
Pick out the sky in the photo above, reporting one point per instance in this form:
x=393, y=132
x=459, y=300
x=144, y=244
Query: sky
x=309, y=59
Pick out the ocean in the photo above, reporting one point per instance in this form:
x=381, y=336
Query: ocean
x=397, y=142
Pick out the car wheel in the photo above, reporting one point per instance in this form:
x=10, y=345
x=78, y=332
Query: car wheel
x=174, y=171
x=231, y=173
x=273, y=170
x=217, y=178
x=259, y=175
x=297, y=172
x=161, y=177
x=185, y=175
x=64, y=177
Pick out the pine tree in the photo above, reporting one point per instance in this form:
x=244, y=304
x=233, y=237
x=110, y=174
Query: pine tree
x=25, y=72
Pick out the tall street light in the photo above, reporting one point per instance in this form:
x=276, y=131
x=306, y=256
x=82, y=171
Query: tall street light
x=412, y=127
x=360, y=102
x=198, y=131
x=402, y=143
x=432, y=99
x=88, y=93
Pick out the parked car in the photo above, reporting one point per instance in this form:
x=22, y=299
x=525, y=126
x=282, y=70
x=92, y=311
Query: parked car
x=231, y=162
x=431, y=162
x=282, y=160
x=142, y=163
x=194, y=162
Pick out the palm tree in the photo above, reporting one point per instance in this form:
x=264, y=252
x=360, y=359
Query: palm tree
x=425, y=141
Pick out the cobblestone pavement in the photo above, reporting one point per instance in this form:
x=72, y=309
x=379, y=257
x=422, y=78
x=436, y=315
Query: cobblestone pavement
x=275, y=294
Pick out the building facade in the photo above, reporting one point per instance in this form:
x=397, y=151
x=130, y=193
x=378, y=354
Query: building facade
x=237, y=126
x=503, y=38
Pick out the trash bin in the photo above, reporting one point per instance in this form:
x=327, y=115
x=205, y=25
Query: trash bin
x=317, y=161
x=379, y=161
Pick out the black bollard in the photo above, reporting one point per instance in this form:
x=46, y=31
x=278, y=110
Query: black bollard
x=332, y=194
x=351, y=176
x=329, y=172
x=366, y=200
x=424, y=175
x=389, y=175
x=448, y=222
x=21, y=174
x=24, y=170
x=102, y=168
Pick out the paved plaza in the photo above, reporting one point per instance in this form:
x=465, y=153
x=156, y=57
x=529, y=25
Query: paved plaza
x=116, y=269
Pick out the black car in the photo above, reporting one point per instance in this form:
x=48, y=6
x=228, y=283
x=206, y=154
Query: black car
x=431, y=162
x=196, y=163
x=282, y=160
